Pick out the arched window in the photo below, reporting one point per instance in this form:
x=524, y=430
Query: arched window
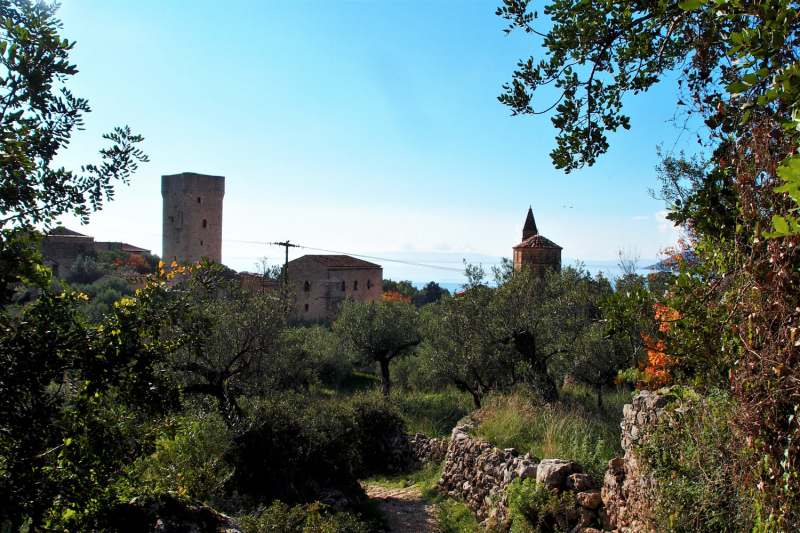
x=369, y=284
x=355, y=285
x=198, y=199
x=205, y=224
x=344, y=288
x=306, y=286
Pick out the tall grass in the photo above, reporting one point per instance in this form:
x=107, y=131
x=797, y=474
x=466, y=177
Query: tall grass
x=570, y=429
x=434, y=414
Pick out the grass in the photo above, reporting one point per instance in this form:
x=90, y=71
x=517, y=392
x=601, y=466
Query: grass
x=434, y=414
x=426, y=479
x=570, y=429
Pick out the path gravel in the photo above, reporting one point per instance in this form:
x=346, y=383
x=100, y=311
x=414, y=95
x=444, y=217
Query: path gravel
x=405, y=510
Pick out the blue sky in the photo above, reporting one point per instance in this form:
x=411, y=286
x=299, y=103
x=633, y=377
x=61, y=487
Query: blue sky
x=367, y=127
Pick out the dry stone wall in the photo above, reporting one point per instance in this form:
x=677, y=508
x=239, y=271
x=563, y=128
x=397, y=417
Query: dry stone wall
x=478, y=473
x=628, y=491
x=414, y=451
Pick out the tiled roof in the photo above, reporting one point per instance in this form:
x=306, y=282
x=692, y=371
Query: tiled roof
x=61, y=230
x=537, y=241
x=131, y=248
x=342, y=261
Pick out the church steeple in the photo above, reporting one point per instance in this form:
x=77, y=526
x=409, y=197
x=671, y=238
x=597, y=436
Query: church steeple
x=529, y=229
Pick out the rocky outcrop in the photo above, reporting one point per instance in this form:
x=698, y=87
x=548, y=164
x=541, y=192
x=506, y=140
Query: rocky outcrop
x=478, y=473
x=408, y=452
x=628, y=490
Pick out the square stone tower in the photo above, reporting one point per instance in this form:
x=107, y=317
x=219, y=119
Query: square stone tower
x=192, y=225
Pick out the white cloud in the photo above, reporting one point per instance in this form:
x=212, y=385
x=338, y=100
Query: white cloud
x=640, y=217
x=667, y=227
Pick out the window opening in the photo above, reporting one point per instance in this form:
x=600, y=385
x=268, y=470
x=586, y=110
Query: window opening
x=201, y=243
x=369, y=284
x=172, y=219
x=205, y=224
x=306, y=287
x=198, y=199
x=355, y=285
x=306, y=307
x=344, y=288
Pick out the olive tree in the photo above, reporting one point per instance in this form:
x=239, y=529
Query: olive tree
x=379, y=332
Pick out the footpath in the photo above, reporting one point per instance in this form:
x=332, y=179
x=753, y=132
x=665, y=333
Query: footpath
x=404, y=509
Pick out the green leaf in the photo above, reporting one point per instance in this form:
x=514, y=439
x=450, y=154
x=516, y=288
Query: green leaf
x=781, y=226
x=691, y=5
x=737, y=87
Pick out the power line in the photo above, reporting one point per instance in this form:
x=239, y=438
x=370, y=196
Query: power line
x=422, y=265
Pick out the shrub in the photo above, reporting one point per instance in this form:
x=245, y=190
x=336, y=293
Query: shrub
x=191, y=462
x=535, y=509
x=694, y=454
x=294, y=447
x=313, y=518
x=87, y=269
x=377, y=419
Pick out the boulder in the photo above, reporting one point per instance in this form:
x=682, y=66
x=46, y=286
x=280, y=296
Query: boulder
x=590, y=499
x=580, y=482
x=555, y=472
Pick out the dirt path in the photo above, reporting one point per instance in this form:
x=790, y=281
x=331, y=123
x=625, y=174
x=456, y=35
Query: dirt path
x=404, y=509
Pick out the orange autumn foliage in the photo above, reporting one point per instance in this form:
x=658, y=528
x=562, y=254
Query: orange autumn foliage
x=135, y=262
x=394, y=296
x=656, y=370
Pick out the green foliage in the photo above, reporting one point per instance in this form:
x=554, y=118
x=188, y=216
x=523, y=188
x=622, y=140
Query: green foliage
x=525, y=330
x=312, y=518
x=242, y=355
x=87, y=269
x=571, y=429
x=405, y=287
x=535, y=509
x=379, y=332
x=455, y=517
x=189, y=459
x=292, y=446
x=377, y=419
x=690, y=453
x=433, y=413
x=429, y=294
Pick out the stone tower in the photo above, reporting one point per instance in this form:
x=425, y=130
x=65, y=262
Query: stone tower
x=192, y=217
x=535, y=250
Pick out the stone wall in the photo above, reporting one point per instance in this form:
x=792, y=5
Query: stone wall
x=409, y=452
x=628, y=492
x=478, y=473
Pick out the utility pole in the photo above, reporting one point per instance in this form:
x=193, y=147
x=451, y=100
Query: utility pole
x=286, y=245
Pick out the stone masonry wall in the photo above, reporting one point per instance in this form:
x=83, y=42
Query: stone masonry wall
x=409, y=452
x=478, y=473
x=628, y=492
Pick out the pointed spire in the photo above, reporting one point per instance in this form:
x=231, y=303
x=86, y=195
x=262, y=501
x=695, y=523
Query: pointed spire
x=529, y=229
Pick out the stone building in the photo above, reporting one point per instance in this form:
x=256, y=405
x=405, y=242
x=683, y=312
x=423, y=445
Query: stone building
x=535, y=250
x=322, y=282
x=61, y=247
x=192, y=225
